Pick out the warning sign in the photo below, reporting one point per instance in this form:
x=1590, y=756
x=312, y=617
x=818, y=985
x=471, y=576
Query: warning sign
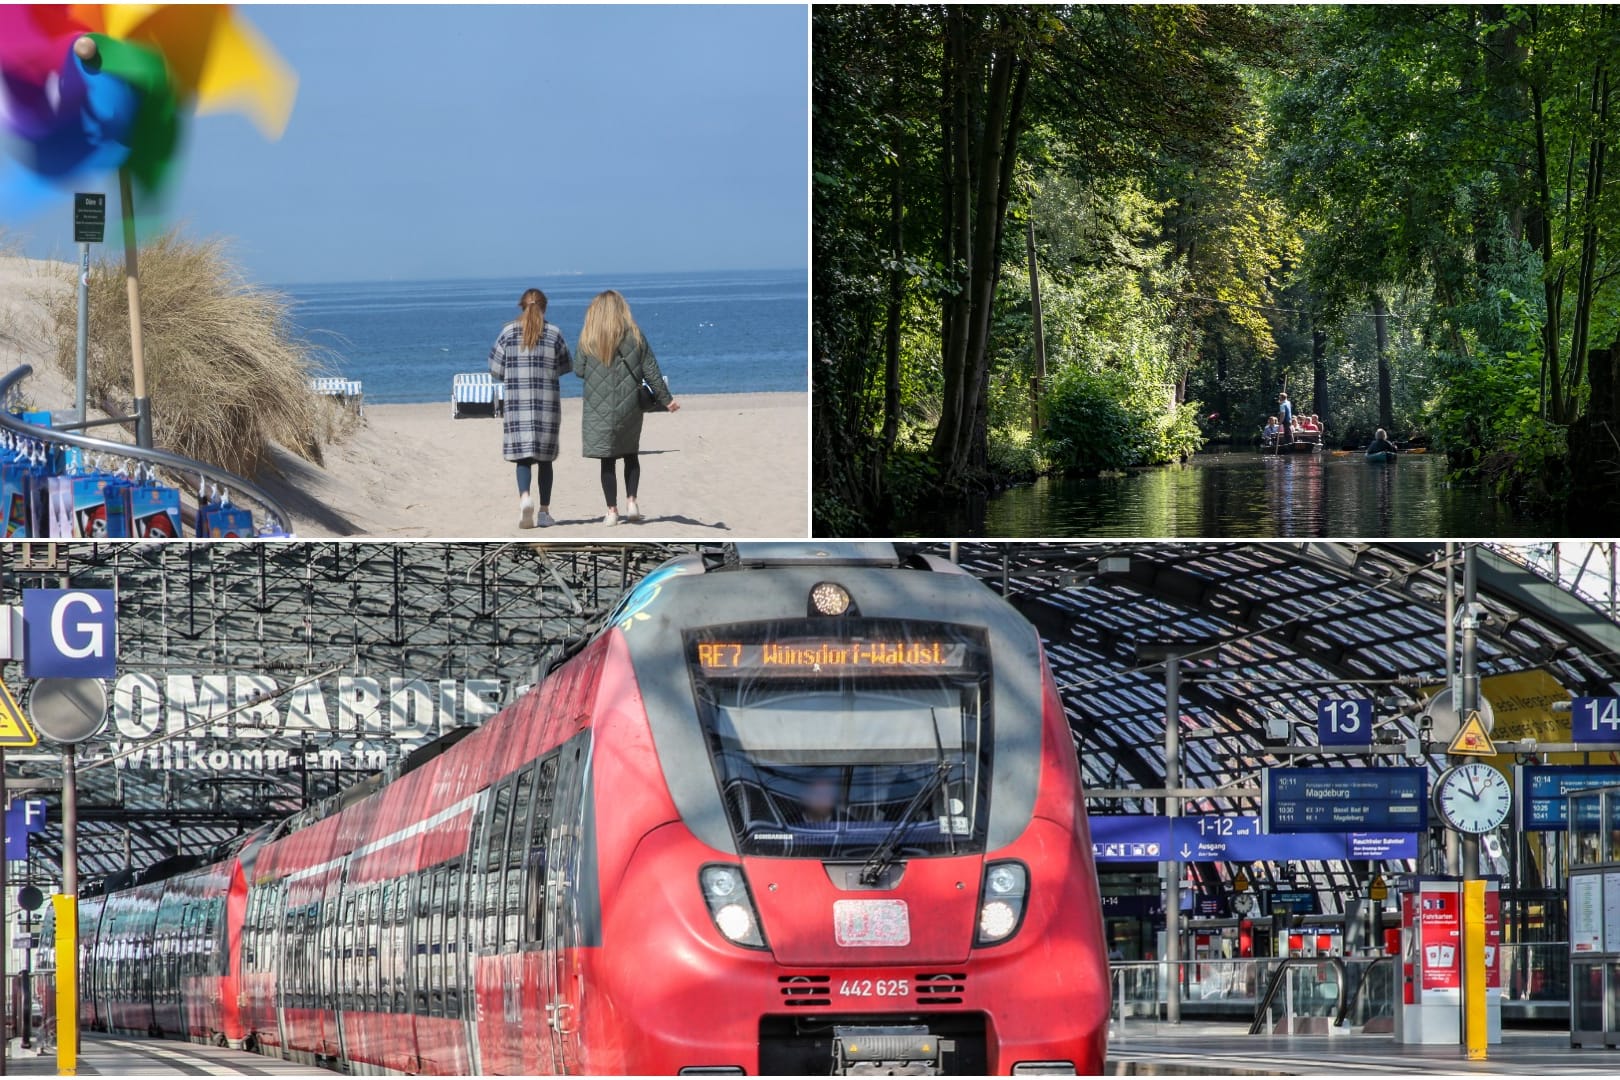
x=15, y=730
x=1472, y=739
x=1240, y=883
x=1378, y=890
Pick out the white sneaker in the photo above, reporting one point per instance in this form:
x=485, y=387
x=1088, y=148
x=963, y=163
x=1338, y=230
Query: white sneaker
x=632, y=512
x=544, y=520
x=525, y=512
x=611, y=518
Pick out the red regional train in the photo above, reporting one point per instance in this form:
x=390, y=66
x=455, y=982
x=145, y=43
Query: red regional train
x=791, y=810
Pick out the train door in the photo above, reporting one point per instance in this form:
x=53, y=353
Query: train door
x=563, y=931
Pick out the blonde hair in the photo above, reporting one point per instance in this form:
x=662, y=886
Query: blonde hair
x=533, y=319
x=607, y=321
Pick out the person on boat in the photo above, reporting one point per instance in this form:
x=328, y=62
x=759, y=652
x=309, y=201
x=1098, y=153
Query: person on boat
x=1380, y=444
x=1285, y=412
x=1272, y=430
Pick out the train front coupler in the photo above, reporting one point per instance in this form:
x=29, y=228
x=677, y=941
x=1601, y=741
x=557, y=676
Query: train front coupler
x=889, y=1051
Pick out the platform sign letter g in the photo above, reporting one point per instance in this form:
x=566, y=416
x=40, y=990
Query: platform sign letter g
x=91, y=631
x=70, y=633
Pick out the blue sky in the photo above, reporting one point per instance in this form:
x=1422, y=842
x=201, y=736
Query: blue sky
x=446, y=142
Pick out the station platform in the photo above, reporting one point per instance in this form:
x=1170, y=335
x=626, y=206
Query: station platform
x=1214, y=1049
x=111, y=1055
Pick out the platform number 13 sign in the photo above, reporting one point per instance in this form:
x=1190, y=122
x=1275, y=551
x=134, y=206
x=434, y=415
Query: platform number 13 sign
x=1595, y=719
x=1344, y=721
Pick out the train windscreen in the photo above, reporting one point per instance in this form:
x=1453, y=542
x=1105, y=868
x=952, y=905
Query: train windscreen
x=841, y=742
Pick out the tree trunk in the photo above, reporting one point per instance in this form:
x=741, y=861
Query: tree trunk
x=1319, y=391
x=1386, y=405
x=959, y=243
x=1038, y=381
x=1586, y=281
x=959, y=441
x=897, y=286
x=1539, y=230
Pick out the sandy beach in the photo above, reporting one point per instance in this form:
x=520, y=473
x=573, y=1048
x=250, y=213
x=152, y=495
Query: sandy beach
x=725, y=467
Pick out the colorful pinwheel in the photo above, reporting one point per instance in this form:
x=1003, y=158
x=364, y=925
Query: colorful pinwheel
x=87, y=88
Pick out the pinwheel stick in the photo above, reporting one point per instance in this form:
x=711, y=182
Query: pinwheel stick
x=132, y=285
x=85, y=49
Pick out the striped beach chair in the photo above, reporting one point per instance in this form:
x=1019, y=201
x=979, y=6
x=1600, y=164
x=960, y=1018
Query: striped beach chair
x=476, y=394
x=347, y=391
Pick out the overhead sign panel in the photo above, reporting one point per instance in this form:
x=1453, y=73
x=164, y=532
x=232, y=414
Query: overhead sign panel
x=1543, y=790
x=1390, y=799
x=70, y=633
x=23, y=818
x=1234, y=838
x=1595, y=719
x=1344, y=721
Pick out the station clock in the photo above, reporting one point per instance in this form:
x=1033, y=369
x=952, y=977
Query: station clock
x=1473, y=797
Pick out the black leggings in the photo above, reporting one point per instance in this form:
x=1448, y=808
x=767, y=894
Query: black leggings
x=632, y=478
x=545, y=479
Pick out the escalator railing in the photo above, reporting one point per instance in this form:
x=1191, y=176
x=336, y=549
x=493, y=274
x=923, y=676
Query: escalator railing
x=1307, y=991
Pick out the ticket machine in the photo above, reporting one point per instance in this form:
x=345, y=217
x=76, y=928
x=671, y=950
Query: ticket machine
x=1429, y=971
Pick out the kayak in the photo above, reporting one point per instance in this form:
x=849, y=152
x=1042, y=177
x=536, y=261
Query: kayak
x=1381, y=457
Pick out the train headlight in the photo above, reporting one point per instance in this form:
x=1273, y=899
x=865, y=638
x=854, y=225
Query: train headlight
x=735, y=922
x=725, y=890
x=829, y=598
x=720, y=882
x=1004, y=879
x=1001, y=901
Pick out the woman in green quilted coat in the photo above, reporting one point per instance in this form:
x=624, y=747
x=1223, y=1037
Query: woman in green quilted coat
x=614, y=360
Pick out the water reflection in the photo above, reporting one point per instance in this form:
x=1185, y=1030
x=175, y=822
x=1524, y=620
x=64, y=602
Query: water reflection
x=1247, y=494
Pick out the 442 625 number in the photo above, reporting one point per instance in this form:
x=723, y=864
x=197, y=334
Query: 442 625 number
x=875, y=988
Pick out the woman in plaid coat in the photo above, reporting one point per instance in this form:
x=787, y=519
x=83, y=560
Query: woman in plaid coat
x=528, y=357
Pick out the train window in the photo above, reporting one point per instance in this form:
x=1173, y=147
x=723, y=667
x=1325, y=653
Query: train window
x=534, y=868
x=402, y=955
x=832, y=758
x=436, y=944
x=452, y=942
x=521, y=817
x=421, y=976
x=348, y=974
x=500, y=806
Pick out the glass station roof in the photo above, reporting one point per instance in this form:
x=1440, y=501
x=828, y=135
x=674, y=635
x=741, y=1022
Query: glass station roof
x=1268, y=629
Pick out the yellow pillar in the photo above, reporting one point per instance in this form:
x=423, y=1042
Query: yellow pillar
x=1474, y=1021
x=67, y=984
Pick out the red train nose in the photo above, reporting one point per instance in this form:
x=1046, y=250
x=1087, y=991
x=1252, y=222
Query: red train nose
x=818, y=913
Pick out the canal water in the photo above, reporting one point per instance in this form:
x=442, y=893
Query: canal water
x=1246, y=494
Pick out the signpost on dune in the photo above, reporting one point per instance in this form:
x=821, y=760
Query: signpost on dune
x=89, y=226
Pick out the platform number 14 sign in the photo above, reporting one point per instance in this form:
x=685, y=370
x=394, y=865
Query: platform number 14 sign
x=1344, y=721
x=1595, y=719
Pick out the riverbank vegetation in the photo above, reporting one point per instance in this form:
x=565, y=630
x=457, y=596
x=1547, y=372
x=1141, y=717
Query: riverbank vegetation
x=1086, y=238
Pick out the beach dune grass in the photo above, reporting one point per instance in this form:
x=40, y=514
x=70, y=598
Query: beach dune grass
x=225, y=373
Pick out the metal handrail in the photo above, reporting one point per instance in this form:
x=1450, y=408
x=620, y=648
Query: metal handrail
x=1348, y=1002
x=164, y=458
x=1262, y=1008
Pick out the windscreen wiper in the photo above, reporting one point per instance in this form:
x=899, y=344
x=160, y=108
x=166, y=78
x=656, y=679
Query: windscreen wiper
x=883, y=857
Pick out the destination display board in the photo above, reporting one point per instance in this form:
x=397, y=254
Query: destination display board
x=1317, y=800
x=1544, y=789
x=1233, y=838
x=822, y=656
